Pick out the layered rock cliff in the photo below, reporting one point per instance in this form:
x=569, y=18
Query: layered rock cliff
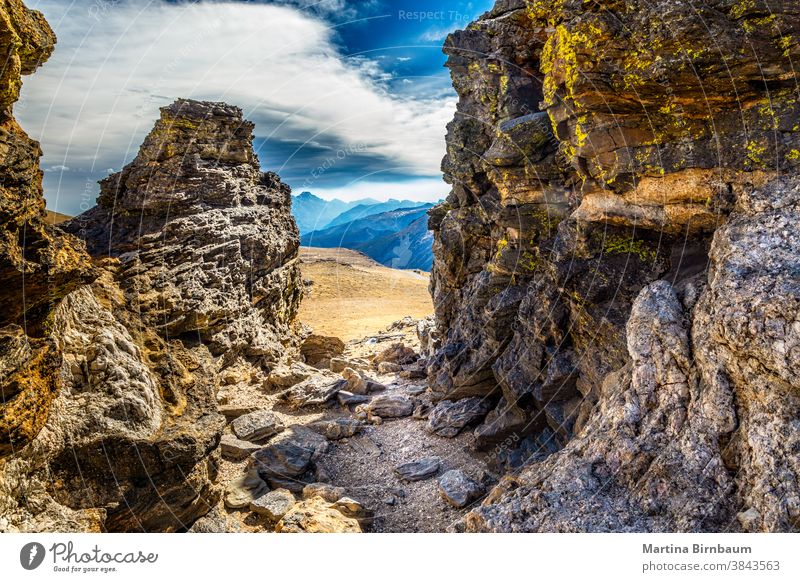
x=110, y=366
x=616, y=266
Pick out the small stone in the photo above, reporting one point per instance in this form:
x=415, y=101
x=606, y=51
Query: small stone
x=416, y=390
x=329, y=493
x=355, y=509
x=349, y=399
x=315, y=391
x=284, y=377
x=391, y=406
x=373, y=386
x=315, y=515
x=232, y=412
x=397, y=353
x=247, y=488
x=389, y=368
x=257, y=426
x=336, y=429
x=422, y=412
x=319, y=350
x=414, y=373
x=234, y=449
x=418, y=470
x=750, y=520
x=356, y=382
x=450, y=418
x=274, y=504
x=338, y=365
x=458, y=489
x=281, y=462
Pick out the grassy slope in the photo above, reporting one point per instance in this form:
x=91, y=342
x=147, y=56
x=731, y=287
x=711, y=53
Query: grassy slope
x=353, y=296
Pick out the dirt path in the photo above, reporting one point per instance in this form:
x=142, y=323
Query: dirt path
x=364, y=464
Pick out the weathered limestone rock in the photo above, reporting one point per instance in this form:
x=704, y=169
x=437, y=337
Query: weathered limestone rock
x=109, y=419
x=319, y=350
x=244, y=490
x=327, y=492
x=274, y=505
x=257, y=426
x=286, y=462
x=315, y=391
x=615, y=261
x=234, y=449
x=316, y=515
x=206, y=241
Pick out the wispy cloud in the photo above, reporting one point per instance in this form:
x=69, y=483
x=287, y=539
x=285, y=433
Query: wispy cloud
x=94, y=101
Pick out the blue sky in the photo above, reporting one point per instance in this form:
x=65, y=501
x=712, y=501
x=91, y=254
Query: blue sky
x=350, y=99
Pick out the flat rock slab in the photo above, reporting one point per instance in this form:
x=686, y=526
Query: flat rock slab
x=458, y=489
x=313, y=392
x=419, y=470
x=245, y=489
x=450, y=418
x=337, y=429
x=257, y=426
x=391, y=406
x=274, y=505
x=234, y=449
x=284, y=377
x=349, y=399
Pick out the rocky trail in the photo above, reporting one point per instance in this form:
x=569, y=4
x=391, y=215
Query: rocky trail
x=373, y=454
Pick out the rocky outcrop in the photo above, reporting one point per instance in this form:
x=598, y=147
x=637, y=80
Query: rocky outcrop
x=110, y=366
x=38, y=267
x=613, y=267
x=207, y=244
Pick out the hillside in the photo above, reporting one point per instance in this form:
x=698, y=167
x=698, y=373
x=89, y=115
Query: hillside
x=410, y=248
x=352, y=296
x=52, y=217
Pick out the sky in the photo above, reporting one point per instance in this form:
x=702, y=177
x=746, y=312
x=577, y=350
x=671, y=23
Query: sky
x=350, y=99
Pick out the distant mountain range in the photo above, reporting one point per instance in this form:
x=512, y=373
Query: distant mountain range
x=313, y=213
x=398, y=238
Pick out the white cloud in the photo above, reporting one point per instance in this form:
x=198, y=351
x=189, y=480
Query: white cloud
x=98, y=96
x=425, y=190
x=439, y=34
